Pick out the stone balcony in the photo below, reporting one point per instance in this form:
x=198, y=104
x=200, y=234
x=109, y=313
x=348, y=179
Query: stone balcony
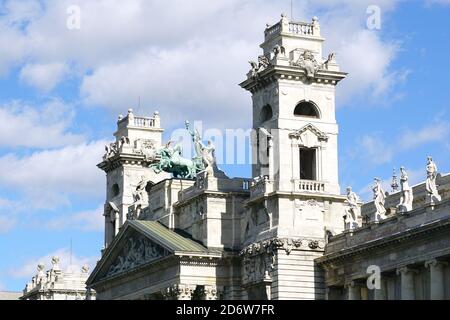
x=264, y=187
x=294, y=28
x=139, y=122
x=309, y=186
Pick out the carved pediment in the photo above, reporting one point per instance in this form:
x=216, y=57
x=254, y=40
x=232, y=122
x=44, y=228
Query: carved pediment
x=137, y=250
x=298, y=134
x=141, y=244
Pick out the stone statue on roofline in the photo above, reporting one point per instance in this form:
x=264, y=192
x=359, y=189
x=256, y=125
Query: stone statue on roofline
x=379, y=198
x=205, y=154
x=406, y=200
x=431, y=187
x=138, y=198
x=353, y=214
x=170, y=159
x=55, y=263
x=262, y=64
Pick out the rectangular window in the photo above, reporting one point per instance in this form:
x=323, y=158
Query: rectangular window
x=308, y=164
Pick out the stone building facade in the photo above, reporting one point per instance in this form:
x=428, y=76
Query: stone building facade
x=278, y=235
x=56, y=284
x=409, y=251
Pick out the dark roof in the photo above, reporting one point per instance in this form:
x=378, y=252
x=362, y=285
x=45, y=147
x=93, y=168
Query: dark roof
x=168, y=238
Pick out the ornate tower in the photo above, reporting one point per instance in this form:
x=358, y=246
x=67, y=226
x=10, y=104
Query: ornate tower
x=128, y=176
x=295, y=200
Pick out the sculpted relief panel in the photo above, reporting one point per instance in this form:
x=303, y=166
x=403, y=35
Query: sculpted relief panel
x=137, y=251
x=258, y=259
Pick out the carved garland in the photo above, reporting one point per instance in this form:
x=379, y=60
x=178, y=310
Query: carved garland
x=281, y=243
x=258, y=259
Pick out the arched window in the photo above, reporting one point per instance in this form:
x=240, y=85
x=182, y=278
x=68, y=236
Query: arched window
x=115, y=190
x=306, y=109
x=266, y=113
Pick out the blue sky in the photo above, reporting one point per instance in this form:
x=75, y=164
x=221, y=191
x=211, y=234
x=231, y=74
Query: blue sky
x=62, y=90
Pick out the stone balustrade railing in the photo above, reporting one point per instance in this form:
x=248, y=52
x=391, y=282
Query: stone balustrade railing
x=297, y=28
x=275, y=29
x=140, y=122
x=301, y=28
x=309, y=186
x=144, y=122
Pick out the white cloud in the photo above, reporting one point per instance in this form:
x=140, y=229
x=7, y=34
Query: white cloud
x=176, y=84
x=186, y=55
x=92, y=220
x=28, y=269
x=379, y=149
x=438, y=131
x=37, y=127
x=43, y=76
x=375, y=149
x=47, y=178
x=6, y=223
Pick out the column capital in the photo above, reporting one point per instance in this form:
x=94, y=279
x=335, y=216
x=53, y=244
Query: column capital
x=212, y=292
x=405, y=270
x=178, y=292
x=352, y=284
x=435, y=263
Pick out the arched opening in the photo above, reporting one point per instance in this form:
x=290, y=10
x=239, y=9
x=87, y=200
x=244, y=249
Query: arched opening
x=266, y=113
x=115, y=190
x=307, y=109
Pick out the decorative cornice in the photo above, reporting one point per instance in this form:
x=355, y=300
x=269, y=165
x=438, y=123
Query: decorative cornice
x=274, y=73
x=309, y=127
x=384, y=242
x=123, y=159
x=287, y=244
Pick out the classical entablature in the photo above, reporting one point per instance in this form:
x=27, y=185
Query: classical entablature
x=143, y=244
x=274, y=73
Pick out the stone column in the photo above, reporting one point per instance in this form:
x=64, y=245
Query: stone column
x=295, y=158
x=354, y=291
x=437, y=289
x=107, y=229
x=382, y=293
x=407, y=283
x=116, y=223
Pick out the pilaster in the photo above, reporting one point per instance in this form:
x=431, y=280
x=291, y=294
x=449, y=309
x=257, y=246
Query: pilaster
x=437, y=281
x=407, y=283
